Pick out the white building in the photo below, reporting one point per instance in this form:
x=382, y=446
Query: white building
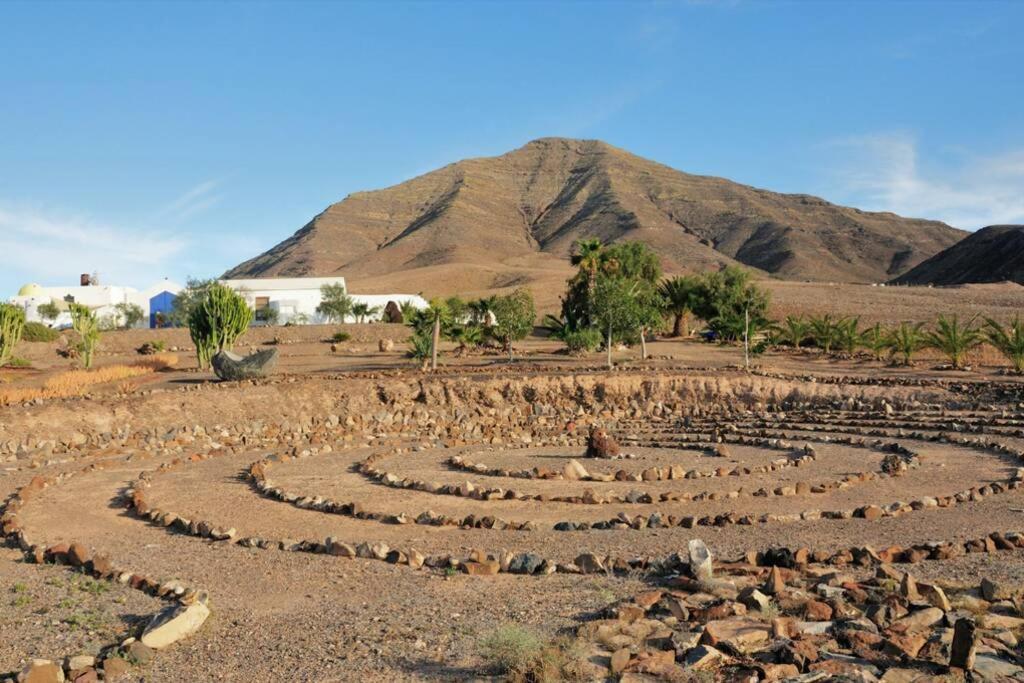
x=295, y=299
x=103, y=299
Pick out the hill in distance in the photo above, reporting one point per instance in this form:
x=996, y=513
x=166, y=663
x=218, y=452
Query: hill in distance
x=486, y=224
x=992, y=254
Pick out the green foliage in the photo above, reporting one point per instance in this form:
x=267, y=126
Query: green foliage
x=420, y=345
x=725, y=297
x=268, y=316
x=511, y=649
x=297, y=319
x=824, y=331
x=848, y=336
x=954, y=339
x=458, y=309
x=335, y=303
x=12, y=326
x=680, y=295
x=48, y=311
x=408, y=309
x=1008, y=341
x=339, y=337
x=151, y=347
x=480, y=309
x=432, y=322
x=130, y=315
x=906, y=340
x=793, y=330
x=876, y=340
x=217, y=321
x=624, y=309
x=630, y=261
x=362, y=311
x=580, y=342
x=186, y=300
x=38, y=332
x=514, y=315
x=466, y=335
x=84, y=322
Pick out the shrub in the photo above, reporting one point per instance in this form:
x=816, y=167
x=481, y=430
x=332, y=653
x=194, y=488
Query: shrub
x=16, y=362
x=511, y=649
x=582, y=342
x=130, y=315
x=1008, y=341
x=38, y=332
x=848, y=335
x=421, y=347
x=793, y=330
x=514, y=315
x=906, y=340
x=217, y=321
x=77, y=382
x=824, y=331
x=48, y=311
x=954, y=339
x=12, y=324
x=84, y=322
x=876, y=340
x=335, y=303
x=151, y=347
x=339, y=337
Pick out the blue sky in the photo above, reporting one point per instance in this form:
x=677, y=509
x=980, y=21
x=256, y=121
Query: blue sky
x=149, y=140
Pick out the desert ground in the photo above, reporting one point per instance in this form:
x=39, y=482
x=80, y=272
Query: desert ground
x=353, y=518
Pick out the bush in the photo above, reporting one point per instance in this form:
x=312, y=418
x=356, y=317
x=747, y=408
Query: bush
x=216, y=321
x=511, y=649
x=151, y=347
x=38, y=332
x=582, y=342
x=12, y=324
x=339, y=337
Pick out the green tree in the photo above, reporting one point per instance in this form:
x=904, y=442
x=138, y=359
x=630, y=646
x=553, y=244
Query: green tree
x=85, y=323
x=362, y=311
x=587, y=255
x=953, y=339
x=631, y=261
x=793, y=330
x=217, y=321
x=824, y=331
x=514, y=315
x=186, y=300
x=1008, y=341
x=680, y=296
x=876, y=340
x=130, y=315
x=480, y=311
x=906, y=340
x=624, y=308
x=726, y=299
x=12, y=325
x=466, y=336
x=335, y=303
x=49, y=311
x=458, y=309
x=848, y=336
x=431, y=323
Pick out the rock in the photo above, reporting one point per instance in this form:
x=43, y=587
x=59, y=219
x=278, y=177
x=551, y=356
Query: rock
x=385, y=345
x=933, y=595
x=990, y=590
x=42, y=671
x=706, y=658
x=774, y=584
x=525, y=563
x=139, y=652
x=755, y=599
x=815, y=610
x=741, y=635
x=620, y=660
x=600, y=444
x=115, y=668
x=589, y=563
x=919, y=620
x=700, y=560
x=231, y=367
x=574, y=471
x=174, y=623
x=965, y=645
x=482, y=568
x=989, y=667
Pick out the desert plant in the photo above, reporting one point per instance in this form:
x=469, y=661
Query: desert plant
x=270, y=317
x=876, y=340
x=130, y=314
x=339, y=337
x=433, y=322
x=906, y=340
x=217, y=321
x=480, y=311
x=514, y=315
x=824, y=331
x=1008, y=341
x=335, y=303
x=848, y=336
x=581, y=342
x=151, y=347
x=466, y=336
x=38, y=332
x=680, y=297
x=793, y=330
x=84, y=322
x=48, y=311
x=12, y=325
x=362, y=311
x=421, y=348
x=953, y=339
x=511, y=649
x=408, y=309
x=726, y=299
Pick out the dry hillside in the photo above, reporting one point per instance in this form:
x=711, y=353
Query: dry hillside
x=993, y=254
x=491, y=223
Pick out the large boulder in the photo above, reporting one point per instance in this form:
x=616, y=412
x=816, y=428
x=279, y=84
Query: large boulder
x=173, y=624
x=229, y=366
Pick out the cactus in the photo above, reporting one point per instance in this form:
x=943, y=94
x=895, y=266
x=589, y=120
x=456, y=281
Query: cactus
x=84, y=322
x=217, y=321
x=12, y=324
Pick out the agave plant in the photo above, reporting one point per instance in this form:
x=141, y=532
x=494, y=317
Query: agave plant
x=906, y=340
x=824, y=330
x=793, y=330
x=1008, y=341
x=954, y=339
x=876, y=340
x=848, y=335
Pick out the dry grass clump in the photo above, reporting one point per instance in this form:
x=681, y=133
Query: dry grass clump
x=524, y=657
x=77, y=382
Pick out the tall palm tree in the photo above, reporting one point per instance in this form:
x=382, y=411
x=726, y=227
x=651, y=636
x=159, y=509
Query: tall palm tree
x=680, y=295
x=587, y=254
x=954, y=339
x=1009, y=341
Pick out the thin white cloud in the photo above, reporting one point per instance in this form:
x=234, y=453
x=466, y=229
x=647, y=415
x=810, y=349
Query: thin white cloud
x=193, y=201
x=46, y=245
x=884, y=172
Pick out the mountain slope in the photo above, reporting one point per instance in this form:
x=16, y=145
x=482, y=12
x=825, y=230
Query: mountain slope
x=498, y=220
x=992, y=254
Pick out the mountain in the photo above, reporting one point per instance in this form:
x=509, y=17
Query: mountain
x=992, y=254
x=490, y=223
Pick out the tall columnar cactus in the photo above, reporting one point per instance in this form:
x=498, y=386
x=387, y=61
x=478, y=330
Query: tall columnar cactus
x=217, y=321
x=12, y=324
x=85, y=323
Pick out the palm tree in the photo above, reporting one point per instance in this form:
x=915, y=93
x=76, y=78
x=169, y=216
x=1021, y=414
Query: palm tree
x=363, y=310
x=848, y=334
x=437, y=316
x=466, y=336
x=824, y=330
x=481, y=309
x=793, y=330
x=876, y=340
x=1008, y=341
x=587, y=255
x=680, y=295
x=954, y=339
x=906, y=340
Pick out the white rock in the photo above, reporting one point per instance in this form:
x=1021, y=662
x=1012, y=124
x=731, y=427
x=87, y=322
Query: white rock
x=173, y=624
